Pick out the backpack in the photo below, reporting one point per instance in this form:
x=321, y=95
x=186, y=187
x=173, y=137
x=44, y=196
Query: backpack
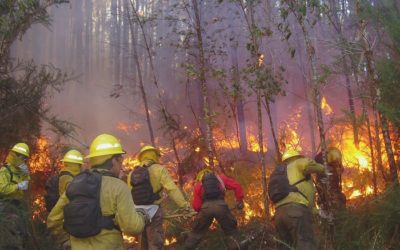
x=82, y=215
x=52, y=194
x=142, y=191
x=279, y=186
x=212, y=187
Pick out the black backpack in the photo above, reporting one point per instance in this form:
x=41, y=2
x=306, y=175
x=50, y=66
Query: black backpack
x=82, y=215
x=212, y=187
x=52, y=194
x=142, y=191
x=279, y=187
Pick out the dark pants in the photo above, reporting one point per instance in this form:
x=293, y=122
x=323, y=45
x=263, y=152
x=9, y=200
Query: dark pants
x=219, y=210
x=152, y=237
x=294, y=227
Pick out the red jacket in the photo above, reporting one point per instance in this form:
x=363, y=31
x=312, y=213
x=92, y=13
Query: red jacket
x=230, y=184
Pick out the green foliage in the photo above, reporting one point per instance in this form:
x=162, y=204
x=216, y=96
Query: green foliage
x=386, y=16
x=372, y=224
x=389, y=103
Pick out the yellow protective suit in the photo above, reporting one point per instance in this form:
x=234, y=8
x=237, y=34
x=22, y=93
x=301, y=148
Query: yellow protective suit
x=297, y=170
x=115, y=199
x=8, y=186
x=64, y=180
x=161, y=179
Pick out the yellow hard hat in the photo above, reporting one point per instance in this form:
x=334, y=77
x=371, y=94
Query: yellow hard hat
x=148, y=148
x=105, y=144
x=21, y=148
x=73, y=156
x=289, y=154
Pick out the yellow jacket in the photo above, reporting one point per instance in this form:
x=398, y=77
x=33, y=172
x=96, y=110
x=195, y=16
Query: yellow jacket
x=297, y=170
x=161, y=179
x=9, y=188
x=65, y=180
x=115, y=199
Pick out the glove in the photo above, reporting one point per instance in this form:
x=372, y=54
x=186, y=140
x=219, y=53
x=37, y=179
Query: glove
x=66, y=245
x=144, y=214
x=23, y=185
x=240, y=205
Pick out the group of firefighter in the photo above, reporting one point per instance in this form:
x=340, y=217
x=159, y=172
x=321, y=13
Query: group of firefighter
x=92, y=207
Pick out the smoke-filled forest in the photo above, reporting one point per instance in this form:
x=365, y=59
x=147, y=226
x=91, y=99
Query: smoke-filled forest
x=229, y=86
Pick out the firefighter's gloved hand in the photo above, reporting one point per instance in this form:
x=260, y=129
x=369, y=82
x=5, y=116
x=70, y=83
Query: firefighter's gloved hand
x=144, y=214
x=239, y=205
x=23, y=185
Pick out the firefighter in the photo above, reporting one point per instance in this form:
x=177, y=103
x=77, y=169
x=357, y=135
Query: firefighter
x=146, y=182
x=335, y=167
x=293, y=217
x=115, y=200
x=14, y=180
x=209, y=202
x=72, y=163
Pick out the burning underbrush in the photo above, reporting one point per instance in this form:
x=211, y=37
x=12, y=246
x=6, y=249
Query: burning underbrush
x=362, y=180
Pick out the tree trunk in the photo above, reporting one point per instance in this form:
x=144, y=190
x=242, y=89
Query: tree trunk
x=329, y=242
x=240, y=116
x=262, y=157
x=140, y=78
x=374, y=90
x=271, y=123
x=203, y=84
x=338, y=26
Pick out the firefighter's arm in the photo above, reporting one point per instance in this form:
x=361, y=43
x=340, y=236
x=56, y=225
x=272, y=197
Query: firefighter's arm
x=55, y=221
x=173, y=191
x=197, y=201
x=231, y=184
x=6, y=186
x=126, y=217
x=310, y=166
x=64, y=181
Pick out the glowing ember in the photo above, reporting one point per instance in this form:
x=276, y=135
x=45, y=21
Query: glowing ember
x=168, y=242
x=197, y=149
x=260, y=59
x=326, y=107
x=130, y=239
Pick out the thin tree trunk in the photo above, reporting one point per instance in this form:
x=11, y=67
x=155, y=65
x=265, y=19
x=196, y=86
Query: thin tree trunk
x=338, y=26
x=202, y=64
x=240, y=116
x=140, y=78
x=271, y=123
x=262, y=157
x=329, y=243
x=374, y=89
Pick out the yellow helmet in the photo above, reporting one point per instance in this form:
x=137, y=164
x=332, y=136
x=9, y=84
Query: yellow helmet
x=289, y=154
x=73, y=156
x=148, y=148
x=105, y=144
x=21, y=148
